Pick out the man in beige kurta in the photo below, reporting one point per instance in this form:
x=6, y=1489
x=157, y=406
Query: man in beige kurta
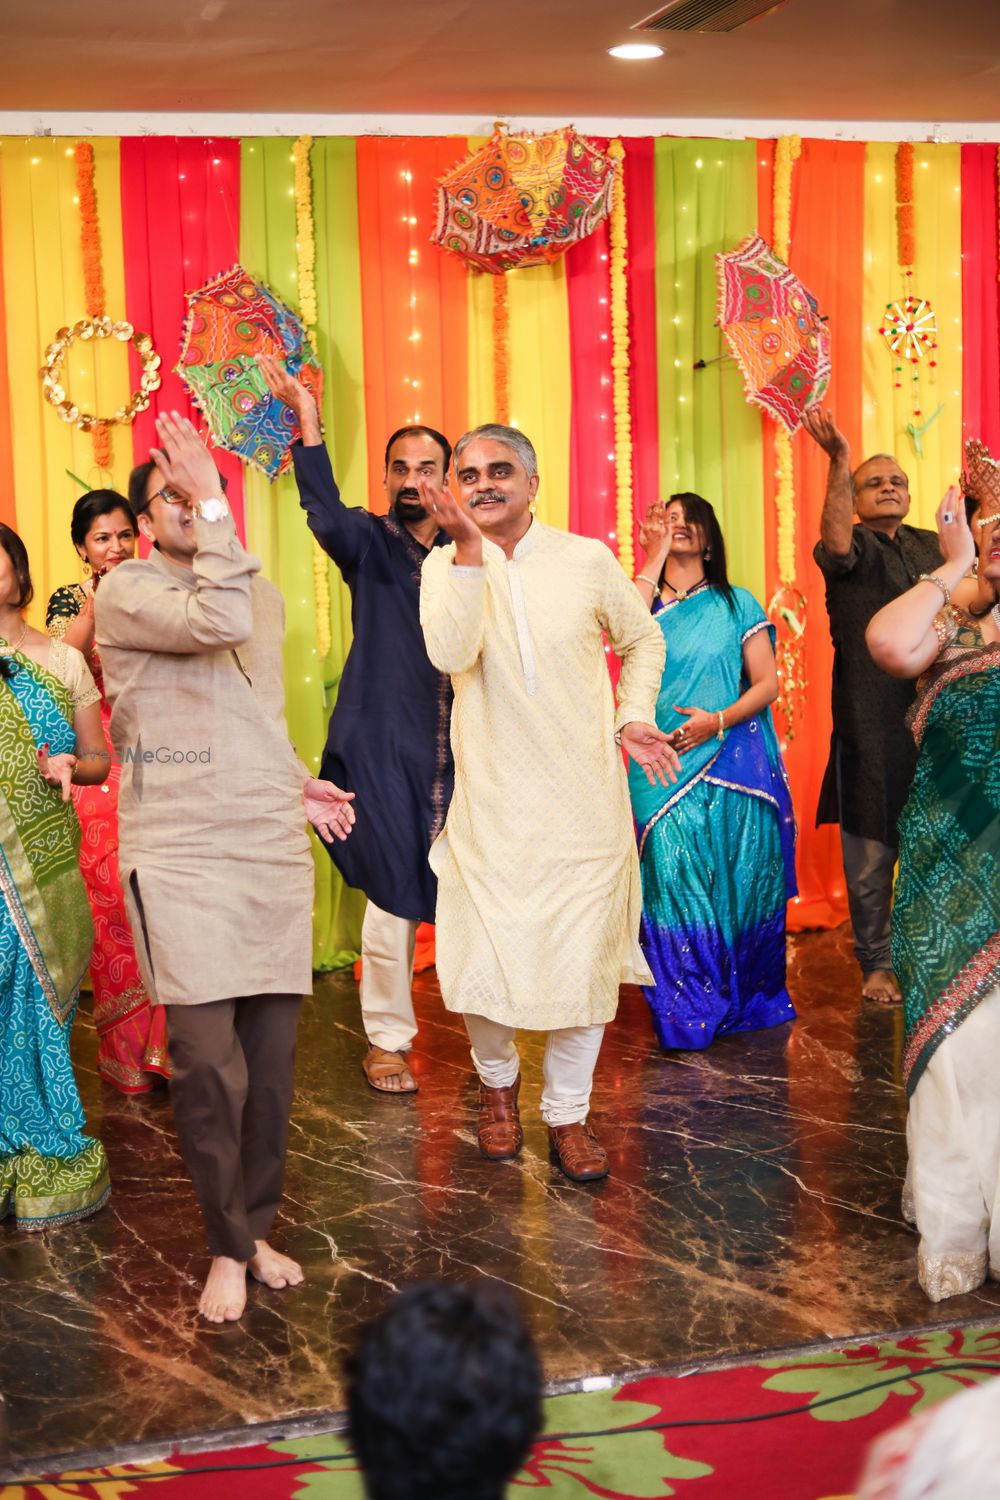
x=214, y=856
x=538, y=878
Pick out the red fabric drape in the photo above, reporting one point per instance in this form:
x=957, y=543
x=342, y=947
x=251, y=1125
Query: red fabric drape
x=641, y=265
x=413, y=296
x=980, y=313
x=827, y=252
x=592, y=426
x=180, y=217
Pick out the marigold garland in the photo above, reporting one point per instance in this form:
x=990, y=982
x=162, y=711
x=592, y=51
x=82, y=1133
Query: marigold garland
x=786, y=153
x=305, y=244
x=620, y=362
x=501, y=349
x=305, y=265
x=904, y=204
x=787, y=607
x=93, y=272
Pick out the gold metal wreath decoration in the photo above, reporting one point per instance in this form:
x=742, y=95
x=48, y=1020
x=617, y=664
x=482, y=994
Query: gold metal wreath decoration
x=99, y=328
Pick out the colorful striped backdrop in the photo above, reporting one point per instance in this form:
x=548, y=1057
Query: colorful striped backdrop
x=405, y=333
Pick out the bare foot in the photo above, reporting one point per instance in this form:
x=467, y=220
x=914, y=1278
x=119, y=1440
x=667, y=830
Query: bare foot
x=387, y=1072
x=272, y=1269
x=224, y=1295
x=881, y=986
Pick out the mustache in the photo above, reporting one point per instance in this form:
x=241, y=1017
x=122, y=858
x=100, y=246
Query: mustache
x=410, y=495
x=486, y=497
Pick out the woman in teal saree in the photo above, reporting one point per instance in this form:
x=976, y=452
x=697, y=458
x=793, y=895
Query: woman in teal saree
x=716, y=847
x=946, y=917
x=50, y=736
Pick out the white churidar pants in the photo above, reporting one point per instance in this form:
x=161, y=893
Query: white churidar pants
x=953, y=1137
x=567, y=1068
x=387, y=944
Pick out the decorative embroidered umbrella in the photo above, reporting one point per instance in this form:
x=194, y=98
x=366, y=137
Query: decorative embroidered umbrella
x=229, y=322
x=522, y=200
x=772, y=325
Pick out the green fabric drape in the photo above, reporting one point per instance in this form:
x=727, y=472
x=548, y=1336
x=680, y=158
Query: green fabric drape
x=276, y=524
x=710, y=438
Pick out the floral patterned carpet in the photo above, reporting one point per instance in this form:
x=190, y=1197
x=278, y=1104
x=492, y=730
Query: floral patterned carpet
x=785, y=1428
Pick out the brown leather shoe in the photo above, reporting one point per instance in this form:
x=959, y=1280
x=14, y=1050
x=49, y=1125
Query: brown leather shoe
x=500, y=1133
x=578, y=1152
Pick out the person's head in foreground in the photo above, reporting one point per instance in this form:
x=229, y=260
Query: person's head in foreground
x=444, y=1394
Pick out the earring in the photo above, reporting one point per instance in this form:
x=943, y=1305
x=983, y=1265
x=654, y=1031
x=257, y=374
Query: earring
x=85, y=566
x=707, y=553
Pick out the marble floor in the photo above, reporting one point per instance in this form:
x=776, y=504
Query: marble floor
x=753, y=1204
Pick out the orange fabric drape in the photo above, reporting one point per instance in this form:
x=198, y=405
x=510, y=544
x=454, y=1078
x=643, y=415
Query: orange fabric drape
x=826, y=251
x=413, y=297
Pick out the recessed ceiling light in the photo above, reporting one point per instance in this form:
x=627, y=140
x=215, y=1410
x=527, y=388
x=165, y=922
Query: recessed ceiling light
x=636, y=51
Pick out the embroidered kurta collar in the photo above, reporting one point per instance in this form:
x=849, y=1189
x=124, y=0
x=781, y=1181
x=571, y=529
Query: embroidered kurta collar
x=527, y=544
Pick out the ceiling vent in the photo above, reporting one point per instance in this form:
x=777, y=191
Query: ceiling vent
x=707, y=15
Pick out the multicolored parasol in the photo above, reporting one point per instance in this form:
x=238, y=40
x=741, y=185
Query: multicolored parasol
x=772, y=325
x=230, y=321
x=522, y=200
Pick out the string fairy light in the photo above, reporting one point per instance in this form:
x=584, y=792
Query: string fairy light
x=620, y=361
x=305, y=263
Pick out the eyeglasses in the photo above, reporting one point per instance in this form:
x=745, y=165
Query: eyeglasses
x=172, y=497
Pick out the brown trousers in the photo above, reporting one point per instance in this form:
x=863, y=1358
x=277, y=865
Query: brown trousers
x=233, y=1069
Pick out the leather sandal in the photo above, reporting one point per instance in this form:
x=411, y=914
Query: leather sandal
x=377, y=1063
x=500, y=1133
x=577, y=1151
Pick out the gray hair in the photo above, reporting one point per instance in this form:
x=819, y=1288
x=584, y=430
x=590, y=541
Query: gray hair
x=886, y=458
x=511, y=437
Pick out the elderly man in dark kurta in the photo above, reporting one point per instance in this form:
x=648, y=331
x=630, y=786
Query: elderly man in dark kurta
x=872, y=753
x=214, y=858
x=389, y=731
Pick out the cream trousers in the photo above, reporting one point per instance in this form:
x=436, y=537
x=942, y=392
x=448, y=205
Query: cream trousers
x=567, y=1068
x=387, y=944
x=953, y=1136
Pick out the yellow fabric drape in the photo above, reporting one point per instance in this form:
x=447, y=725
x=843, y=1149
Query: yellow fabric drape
x=937, y=276
x=43, y=281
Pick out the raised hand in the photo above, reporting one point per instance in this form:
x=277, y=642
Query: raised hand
x=820, y=426
x=454, y=519
x=655, y=531
x=328, y=809
x=57, y=770
x=184, y=460
x=651, y=749
x=700, y=726
x=284, y=385
x=954, y=532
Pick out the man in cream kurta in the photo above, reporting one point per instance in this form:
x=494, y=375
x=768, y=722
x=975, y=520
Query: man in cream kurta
x=538, y=878
x=215, y=861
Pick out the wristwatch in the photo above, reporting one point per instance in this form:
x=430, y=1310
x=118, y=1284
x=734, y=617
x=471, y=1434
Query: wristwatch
x=214, y=508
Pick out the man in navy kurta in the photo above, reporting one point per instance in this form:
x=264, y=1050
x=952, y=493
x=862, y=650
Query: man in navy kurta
x=389, y=739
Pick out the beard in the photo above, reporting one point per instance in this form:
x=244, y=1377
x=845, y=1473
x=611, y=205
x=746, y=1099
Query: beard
x=408, y=506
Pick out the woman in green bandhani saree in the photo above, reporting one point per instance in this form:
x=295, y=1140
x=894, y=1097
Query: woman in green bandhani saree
x=946, y=917
x=50, y=735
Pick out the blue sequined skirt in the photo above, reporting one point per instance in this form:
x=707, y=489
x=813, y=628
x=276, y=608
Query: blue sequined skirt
x=713, y=925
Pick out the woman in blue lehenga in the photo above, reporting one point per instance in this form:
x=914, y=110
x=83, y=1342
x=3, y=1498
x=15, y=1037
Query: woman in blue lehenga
x=717, y=849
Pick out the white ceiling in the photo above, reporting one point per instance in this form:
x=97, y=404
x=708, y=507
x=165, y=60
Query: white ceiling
x=862, y=60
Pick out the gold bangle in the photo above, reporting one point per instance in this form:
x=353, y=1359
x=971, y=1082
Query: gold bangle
x=938, y=583
x=722, y=725
x=641, y=578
